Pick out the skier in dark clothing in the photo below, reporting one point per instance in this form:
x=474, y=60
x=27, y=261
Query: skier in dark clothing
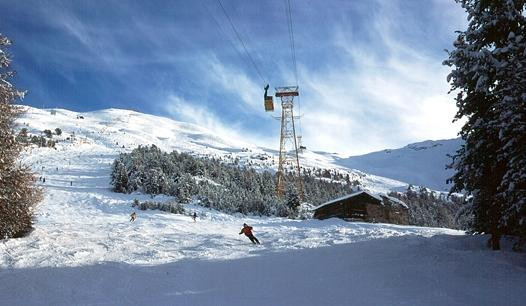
x=247, y=230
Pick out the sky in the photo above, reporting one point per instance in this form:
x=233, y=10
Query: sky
x=370, y=72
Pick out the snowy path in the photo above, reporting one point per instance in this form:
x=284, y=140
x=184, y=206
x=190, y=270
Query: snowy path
x=441, y=270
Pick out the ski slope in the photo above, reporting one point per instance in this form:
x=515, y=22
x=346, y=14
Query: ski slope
x=115, y=130
x=84, y=250
x=79, y=204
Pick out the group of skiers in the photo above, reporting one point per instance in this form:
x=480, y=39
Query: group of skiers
x=247, y=230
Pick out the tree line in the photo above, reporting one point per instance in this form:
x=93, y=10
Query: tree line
x=215, y=182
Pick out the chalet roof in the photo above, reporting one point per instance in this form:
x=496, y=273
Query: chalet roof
x=352, y=195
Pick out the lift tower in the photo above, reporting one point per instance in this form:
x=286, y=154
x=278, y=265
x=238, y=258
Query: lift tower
x=288, y=144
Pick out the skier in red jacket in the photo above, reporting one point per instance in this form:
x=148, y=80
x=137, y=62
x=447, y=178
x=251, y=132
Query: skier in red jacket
x=247, y=230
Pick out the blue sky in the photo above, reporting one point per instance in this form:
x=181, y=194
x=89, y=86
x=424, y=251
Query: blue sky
x=370, y=72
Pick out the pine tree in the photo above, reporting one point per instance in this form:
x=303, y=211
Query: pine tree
x=489, y=75
x=292, y=199
x=48, y=133
x=186, y=188
x=119, y=177
x=18, y=195
x=22, y=136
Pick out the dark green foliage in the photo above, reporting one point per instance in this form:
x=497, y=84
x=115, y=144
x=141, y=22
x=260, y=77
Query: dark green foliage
x=172, y=206
x=119, y=177
x=428, y=208
x=292, y=199
x=22, y=136
x=48, y=133
x=42, y=142
x=58, y=131
x=489, y=77
x=212, y=182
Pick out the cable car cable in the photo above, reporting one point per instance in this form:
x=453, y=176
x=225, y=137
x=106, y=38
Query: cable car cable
x=223, y=32
x=291, y=39
x=242, y=42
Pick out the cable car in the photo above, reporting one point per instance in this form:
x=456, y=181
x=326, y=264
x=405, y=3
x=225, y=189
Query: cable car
x=269, y=102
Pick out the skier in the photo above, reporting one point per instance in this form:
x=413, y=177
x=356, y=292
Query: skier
x=133, y=216
x=194, y=216
x=247, y=230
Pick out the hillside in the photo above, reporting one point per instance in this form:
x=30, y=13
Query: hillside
x=117, y=130
x=84, y=250
x=422, y=163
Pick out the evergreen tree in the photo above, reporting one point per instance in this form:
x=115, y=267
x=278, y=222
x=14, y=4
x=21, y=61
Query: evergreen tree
x=119, y=177
x=48, y=133
x=22, y=136
x=155, y=181
x=18, y=193
x=186, y=188
x=292, y=199
x=489, y=74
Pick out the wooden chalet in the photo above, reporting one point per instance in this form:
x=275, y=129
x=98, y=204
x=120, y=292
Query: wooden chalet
x=364, y=206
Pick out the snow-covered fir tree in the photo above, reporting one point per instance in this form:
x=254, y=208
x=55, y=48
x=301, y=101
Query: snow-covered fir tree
x=292, y=198
x=215, y=183
x=489, y=77
x=220, y=184
x=18, y=193
x=119, y=177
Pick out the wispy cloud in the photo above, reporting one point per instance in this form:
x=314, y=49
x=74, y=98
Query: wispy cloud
x=235, y=82
x=200, y=115
x=370, y=72
x=385, y=92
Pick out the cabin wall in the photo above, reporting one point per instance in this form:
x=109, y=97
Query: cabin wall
x=334, y=210
x=360, y=208
x=399, y=215
x=377, y=213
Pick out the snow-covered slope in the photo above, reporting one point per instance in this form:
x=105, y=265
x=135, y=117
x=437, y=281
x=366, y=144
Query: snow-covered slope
x=423, y=163
x=410, y=270
x=117, y=130
x=84, y=250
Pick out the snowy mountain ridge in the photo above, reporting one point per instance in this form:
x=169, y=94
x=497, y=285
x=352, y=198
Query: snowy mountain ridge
x=422, y=163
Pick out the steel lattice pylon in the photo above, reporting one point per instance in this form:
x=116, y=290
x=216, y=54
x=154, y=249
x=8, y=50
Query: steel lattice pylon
x=288, y=144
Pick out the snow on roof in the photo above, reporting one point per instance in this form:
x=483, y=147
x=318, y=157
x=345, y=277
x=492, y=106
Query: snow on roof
x=350, y=196
x=397, y=201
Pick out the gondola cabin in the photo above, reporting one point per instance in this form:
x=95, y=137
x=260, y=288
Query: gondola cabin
x=269, y=104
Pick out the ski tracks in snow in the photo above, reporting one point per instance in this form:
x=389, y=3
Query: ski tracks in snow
x=82, y=222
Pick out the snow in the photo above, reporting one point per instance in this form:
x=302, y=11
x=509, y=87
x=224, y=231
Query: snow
x=84, y=250
x=422, y=163
x=111, y=129
x=408, y=270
